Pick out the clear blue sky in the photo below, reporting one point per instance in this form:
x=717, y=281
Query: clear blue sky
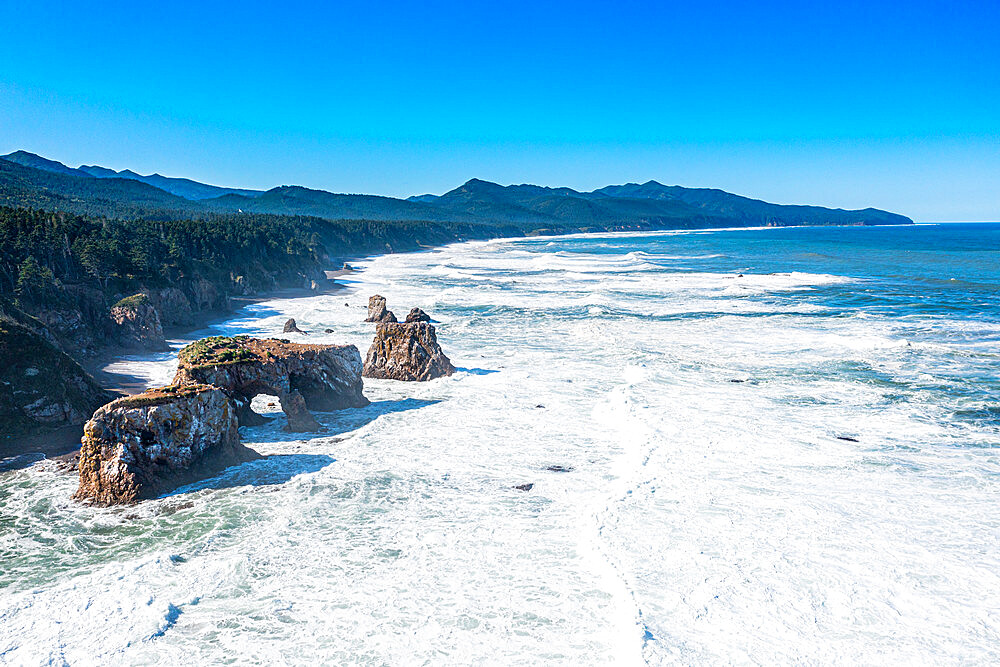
x=894, y=105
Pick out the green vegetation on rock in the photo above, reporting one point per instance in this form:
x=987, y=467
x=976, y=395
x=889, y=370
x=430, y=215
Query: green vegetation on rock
x=216, y=351
x=133, y=301
x=161, y=395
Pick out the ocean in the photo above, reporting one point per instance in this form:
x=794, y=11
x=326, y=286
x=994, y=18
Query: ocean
x=755, y=446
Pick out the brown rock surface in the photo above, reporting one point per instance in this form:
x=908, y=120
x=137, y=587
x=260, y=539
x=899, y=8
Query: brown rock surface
x=417, y=315
x=406, y=352
x=303, y=377
x=144, y=445
x=377, y=311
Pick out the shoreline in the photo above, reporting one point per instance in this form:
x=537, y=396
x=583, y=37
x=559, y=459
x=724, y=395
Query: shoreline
x=126, y=384
x=61, y=443
x=65, y=440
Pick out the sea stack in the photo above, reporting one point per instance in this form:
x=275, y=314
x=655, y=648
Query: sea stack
x=377, y=311
x=406, y=351
x=303, y=377
x=291, y=327
x=141, y=446
x=417, y=315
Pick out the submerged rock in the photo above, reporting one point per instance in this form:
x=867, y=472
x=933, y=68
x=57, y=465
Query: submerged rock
x=137, y=323
x=406, y=352
x=377, y=311
x=417, y=315
x=291, y=327
x=303, y=377
x=142, y=446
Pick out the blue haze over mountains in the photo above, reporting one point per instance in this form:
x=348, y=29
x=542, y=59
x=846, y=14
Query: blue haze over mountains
x=33, y=181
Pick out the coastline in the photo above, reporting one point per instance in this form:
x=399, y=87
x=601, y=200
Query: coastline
x=64, y=441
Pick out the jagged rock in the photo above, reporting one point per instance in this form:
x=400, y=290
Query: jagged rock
x=406, y=352
x=303, y=377
x=137, y=323
x=377, y=311
x=41, y=387
x=417, y=315
x=144, y=445
x=290, y=327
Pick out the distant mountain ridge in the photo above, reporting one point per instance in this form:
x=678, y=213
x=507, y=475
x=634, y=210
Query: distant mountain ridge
x=182, y=187
x=33, y=181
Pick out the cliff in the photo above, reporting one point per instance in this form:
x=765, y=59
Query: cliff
x=137, y=323
x=41, y=387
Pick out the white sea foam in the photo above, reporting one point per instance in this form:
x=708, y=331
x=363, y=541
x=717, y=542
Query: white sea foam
x=703, y=521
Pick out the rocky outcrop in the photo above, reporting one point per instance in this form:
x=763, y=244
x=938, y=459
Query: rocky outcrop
x=291, y=327
x=404, y=351
x=303, y=377
x=41, y=387
x=137, y=323
x=144, y=445
x=377, y=311
x=417, y=315
x=172, y=305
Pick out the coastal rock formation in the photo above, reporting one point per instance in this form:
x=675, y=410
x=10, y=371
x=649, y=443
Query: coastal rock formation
x=137, y=324
x=291, y=327
x=303, y=377
x=406, y=352
x=41, y=387
x=172, y=305
x=377, y=311
x=142, y=446
x=417, y=315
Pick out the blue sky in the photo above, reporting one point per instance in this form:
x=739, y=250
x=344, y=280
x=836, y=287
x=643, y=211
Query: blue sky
x=894, y=105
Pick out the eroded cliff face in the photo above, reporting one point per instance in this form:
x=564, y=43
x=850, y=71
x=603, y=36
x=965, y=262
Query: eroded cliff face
x=173, y=306
x=303, y=377
x=137, y=323
x=41, y=387
x=141, y=446
x=406, y=351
